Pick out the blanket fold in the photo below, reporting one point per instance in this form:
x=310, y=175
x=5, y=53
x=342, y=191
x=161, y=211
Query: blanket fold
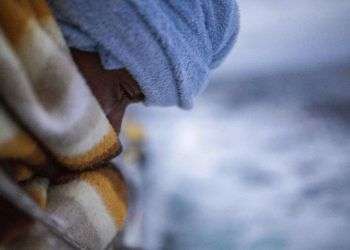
x=42, y=90
x=50, y=125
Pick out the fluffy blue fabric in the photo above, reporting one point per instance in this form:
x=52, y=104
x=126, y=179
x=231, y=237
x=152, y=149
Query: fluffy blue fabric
x=169, y=46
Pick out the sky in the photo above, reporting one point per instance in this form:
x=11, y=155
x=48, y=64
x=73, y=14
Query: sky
x=287, y=35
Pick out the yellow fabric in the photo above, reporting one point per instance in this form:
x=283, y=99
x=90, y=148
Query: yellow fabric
x=37, y=75
x=112, y=189
x=51, y=124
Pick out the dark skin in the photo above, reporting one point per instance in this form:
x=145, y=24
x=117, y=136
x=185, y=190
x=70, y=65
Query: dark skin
x=114, y=89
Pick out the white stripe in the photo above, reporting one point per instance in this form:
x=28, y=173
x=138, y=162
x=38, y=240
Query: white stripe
x=8, y=129
x=50, y=126
x=92, y=204
x=88, y=142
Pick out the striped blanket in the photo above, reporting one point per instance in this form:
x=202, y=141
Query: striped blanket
x=55, y=139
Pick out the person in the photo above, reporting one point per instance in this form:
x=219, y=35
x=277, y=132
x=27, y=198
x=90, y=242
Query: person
x=168, y=47
x=69, y=70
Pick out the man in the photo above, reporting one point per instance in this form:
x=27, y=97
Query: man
x=159, y=52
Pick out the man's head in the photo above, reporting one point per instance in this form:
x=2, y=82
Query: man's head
x=114, y=89
x=169, y=47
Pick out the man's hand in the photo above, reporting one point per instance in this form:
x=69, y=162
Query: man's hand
x=114, y=89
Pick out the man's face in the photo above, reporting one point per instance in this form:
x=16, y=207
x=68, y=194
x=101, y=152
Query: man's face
x=114, y=89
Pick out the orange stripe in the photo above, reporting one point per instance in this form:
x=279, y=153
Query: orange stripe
x=115, y=177
x=41, y=9
x=104, y=150
x=24, y=148
x=13, y=20
x=112, y=190
x=25, y=5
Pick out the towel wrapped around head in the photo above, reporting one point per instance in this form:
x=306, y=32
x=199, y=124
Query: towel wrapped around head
x=169, y=46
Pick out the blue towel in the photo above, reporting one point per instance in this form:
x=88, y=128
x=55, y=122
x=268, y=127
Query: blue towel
x=169, y=46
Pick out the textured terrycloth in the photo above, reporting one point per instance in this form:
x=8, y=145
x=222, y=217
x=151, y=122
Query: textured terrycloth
x=51, y=123
x=169, y=46
x=43, y=89
x=93, y=207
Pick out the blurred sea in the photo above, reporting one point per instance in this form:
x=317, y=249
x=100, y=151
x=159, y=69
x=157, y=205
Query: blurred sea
x=263, y=159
